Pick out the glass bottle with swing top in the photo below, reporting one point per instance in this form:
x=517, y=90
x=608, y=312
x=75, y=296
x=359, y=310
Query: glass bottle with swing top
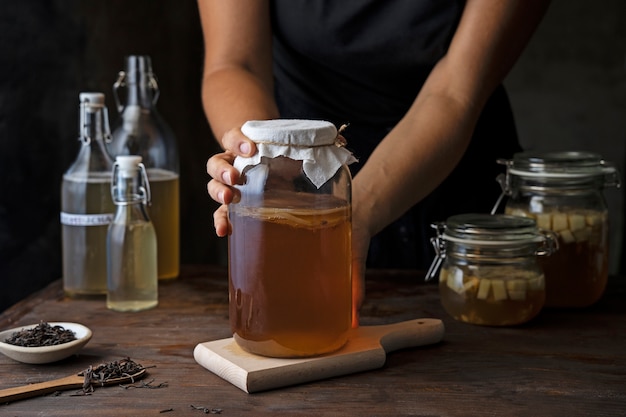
x=131, y=240
x=140, y=130
x=86, y=205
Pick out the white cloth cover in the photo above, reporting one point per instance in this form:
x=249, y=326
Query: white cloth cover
x=310, y=141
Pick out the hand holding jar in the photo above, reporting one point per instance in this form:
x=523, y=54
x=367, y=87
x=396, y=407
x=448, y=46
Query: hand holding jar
x=289, y=221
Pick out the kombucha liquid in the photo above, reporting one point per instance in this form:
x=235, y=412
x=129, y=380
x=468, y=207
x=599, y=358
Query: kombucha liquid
x=164, y=213
x=84, y=238
x=577, y=273
x=290, y=275
x=492, y=296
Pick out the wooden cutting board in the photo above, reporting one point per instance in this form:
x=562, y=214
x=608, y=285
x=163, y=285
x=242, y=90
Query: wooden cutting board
x=366, y=349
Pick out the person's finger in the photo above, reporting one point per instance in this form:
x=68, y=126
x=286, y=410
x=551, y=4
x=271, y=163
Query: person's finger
x=223, y=193
x=220, y=167
x=220, y=221
x=237, y=143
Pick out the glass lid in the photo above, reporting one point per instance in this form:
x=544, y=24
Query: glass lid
x=495, y=228
x=563, y=164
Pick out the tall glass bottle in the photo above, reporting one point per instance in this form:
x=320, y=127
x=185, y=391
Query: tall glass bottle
x=131, y=240
x=140, y=130
x=86, y=206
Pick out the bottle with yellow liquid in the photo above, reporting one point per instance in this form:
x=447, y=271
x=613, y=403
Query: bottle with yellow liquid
x=131, y=240
x=140, y=130
x=86, y=205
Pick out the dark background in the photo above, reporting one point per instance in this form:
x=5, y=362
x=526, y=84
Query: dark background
x=50, y=51
x=568, y=92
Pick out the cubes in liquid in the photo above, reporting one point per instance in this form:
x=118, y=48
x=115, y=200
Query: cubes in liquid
x=290, y=275
x=576, y=274
x=84, y=237
x=164, y=213
x=492, y=295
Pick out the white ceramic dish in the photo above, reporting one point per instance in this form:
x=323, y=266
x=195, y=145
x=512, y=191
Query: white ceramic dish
x=45, y=354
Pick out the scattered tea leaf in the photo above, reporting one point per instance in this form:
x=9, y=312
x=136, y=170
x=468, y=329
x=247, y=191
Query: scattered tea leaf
x=107, y=371
x=143, y=384
x=207, y=410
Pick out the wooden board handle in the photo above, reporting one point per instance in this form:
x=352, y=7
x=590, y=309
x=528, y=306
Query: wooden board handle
x=412, y=333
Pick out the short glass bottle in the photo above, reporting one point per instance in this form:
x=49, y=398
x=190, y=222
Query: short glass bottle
x=490, y=273
x=290, y=247
x=131, y=240
x=562, y=191
x=86, y=205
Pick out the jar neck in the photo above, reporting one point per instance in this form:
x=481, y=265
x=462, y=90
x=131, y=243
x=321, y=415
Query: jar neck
x=141, y=92
x=138, y=83
x=94, y=134
x=130, y=198
x=130, y=187
x=491, y=254
x=94, y=124
x=583, y=185
x=504, y=254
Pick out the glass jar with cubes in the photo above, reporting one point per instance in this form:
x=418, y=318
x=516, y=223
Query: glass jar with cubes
x=563, y=193
x=490, y=274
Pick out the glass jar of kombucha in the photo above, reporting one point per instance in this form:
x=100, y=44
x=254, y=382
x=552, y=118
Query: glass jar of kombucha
x=490, y=273
x=290, y=247
x=562, y=191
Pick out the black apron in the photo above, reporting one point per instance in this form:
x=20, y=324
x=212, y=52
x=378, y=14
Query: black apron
x=363, y=62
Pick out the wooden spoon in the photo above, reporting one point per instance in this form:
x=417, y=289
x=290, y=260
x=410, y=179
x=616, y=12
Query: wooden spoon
x=61, y=384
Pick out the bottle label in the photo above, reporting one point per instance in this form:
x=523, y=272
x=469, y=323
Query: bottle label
x=71, y=219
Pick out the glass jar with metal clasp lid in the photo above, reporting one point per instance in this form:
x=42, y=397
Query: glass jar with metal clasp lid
x=562, y=191
x=490, y=273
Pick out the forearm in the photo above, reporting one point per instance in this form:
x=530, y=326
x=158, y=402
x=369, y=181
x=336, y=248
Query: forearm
x=432, y=138
x=426, y=145
x=237, y=84
x=231, y=96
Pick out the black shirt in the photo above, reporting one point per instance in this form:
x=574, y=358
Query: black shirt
x=363, y=62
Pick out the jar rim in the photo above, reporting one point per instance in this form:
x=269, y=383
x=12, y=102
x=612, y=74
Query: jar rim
x=559, y=165
x=491, y=229
x=481, y=233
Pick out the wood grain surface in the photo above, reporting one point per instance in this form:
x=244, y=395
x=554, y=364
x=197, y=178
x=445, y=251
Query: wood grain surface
x=564, y=363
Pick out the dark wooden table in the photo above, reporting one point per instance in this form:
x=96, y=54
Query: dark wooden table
x=564, y=363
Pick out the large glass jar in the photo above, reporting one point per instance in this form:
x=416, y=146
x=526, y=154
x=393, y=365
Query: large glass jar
x=562, y=191
x=290, y=247
x=490, y=273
